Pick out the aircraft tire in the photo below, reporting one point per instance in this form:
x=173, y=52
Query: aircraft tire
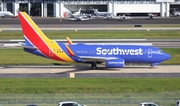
x=152, y=66
x=93, y=66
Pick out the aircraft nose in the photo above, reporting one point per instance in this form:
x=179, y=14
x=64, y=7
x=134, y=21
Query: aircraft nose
x=167, y=56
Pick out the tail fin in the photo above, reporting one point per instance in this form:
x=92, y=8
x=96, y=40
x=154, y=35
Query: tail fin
x=35, y=38
x=79, y=11
x=69, y=40
x=32, y=34
x=95, y=11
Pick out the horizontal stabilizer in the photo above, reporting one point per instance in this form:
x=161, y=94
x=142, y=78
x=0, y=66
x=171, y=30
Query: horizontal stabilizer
x=27, y=47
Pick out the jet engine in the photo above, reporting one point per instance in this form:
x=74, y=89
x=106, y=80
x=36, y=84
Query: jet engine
x=115, y=63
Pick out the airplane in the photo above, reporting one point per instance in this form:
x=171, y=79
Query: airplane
x=151, y=15
x=110, y=15
x=122, y=17
x=175, y=12
x=80, y=18
x=77, y=16
x=112, y=56
x=6, y=14
x=107, y=15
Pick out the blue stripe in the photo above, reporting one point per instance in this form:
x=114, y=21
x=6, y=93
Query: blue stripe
x=28, y=43
x=36, y=52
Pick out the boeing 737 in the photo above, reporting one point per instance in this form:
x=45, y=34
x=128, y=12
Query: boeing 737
x=112, y=56
x=6, y=14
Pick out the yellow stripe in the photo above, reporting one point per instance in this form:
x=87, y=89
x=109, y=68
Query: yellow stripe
x=69, y=41
x=50, y=43
x=63, y=55
x=70, y=50
x=38, y=31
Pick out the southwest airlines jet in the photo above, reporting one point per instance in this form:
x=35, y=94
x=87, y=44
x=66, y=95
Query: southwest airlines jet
x=112, y=56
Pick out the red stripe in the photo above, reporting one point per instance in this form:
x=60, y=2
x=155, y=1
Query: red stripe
x=29, y=32
x=69, y=42
x=70, y=52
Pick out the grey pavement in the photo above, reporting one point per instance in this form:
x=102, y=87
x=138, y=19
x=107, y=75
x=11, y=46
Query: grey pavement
x=85, y=71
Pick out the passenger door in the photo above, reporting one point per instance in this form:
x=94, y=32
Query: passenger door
x=149, y=53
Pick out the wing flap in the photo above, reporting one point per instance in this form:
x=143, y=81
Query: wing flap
x=95, y=58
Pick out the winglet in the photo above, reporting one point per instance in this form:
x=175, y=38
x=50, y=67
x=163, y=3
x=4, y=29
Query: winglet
x=69, y=40
x=70, y=51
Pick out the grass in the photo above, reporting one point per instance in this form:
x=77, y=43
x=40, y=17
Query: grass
x=89, y=91
x=175, y=53
x=149, y=26
x=98, y=34
x=88, y=86
x=20, y=57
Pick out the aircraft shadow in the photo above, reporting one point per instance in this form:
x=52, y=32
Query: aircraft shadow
x=81, y=68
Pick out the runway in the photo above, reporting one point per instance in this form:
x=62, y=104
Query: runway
x=76, y=28
x=175, y=43
x=95, y=23
x=85, y=72
x=134, y=20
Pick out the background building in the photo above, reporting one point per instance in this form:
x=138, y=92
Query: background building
x=57, y=8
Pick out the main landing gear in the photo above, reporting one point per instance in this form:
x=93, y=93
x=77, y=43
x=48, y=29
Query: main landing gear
x=93, y=66
x=151, y=66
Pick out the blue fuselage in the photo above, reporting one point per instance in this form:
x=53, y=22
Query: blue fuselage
x=130, y=53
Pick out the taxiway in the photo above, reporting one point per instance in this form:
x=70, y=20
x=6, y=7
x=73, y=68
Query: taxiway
x=80, y=71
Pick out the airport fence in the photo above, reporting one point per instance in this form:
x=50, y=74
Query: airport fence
x=123, y=99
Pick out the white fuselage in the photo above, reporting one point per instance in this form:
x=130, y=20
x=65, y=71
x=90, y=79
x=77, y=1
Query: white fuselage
x=6, y=14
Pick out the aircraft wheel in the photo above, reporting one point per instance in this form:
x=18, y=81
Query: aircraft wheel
x=152, y=66
x=93, y=66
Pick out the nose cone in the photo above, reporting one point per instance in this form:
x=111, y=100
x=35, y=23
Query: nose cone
x=167, y=56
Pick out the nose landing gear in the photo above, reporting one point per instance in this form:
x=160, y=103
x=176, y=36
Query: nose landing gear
x=151, y=66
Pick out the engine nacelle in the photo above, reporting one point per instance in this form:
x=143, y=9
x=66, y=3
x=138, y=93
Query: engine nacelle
x=155, y=64
x=115, y=63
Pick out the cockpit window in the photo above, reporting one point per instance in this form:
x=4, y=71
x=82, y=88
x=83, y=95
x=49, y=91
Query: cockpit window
x=160, y=51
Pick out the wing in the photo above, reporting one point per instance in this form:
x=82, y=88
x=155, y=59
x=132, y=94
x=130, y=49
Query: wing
x=73, y=19
x=79, y=19
x=95, y=58
x=87, y=59
x=85, y=19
